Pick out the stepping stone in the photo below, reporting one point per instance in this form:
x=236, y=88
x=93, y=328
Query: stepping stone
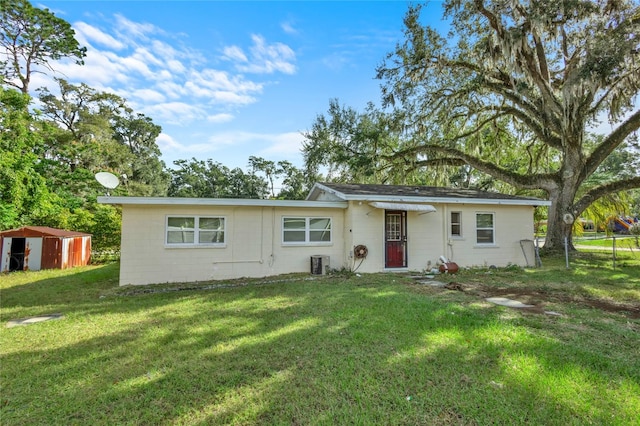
x=33, y=320
x=503, y=301
x=432, y=283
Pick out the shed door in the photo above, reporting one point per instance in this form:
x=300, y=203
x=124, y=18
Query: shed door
x=33, y=254
x=18, y=248
x=6, y=254
x=51, y=253
x=395, y=240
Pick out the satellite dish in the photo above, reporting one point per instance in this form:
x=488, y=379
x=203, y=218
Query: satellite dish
x=108, y=180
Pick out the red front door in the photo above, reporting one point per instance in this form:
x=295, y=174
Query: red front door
x=395, y=238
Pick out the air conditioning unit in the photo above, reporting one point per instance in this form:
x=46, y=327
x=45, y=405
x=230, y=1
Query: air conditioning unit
x=319, y=264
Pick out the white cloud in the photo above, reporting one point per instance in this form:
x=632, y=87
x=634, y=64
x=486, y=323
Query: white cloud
x=220, y=87
x=235, y=138
x=178, y=113
x=278, y=146
x=220, y=118
x=175, y=66
x=133, y=64
x=149, y=96
x=86, y=33
x=234, y=53
x=288, y=28
x=137, y=56
x=99, y=69
x=222, y=80
x=176, y=85
x=269, y=58
x=222, y=97
x=143, y=55
x=264, y=58
x=170, y=88
x=284, y=145
x=133, y=29
x=164, y=76
x=43, y=80
x=167, y=143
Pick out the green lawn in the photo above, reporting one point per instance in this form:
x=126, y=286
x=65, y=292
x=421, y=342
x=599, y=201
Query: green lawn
x=346, y=349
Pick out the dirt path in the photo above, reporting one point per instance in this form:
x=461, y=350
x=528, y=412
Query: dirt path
x=537, y=298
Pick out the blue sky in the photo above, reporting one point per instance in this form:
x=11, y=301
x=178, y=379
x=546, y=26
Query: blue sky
x=227, y=80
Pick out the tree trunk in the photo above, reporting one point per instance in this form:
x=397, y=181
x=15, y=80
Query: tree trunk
x=562, y=199
x=557, y=229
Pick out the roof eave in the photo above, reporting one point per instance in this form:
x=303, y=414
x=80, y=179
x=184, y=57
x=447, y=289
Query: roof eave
x=233, y=202
x=447, y=200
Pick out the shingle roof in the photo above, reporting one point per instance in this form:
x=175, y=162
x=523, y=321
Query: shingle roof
x=419, y=193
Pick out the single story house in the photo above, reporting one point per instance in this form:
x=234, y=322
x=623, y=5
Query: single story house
x=41, y=247
x=373, y=228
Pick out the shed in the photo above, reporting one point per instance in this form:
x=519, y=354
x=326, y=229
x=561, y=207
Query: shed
x=40, y=247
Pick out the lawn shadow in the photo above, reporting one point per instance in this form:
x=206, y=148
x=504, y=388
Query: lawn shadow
x=361, y=350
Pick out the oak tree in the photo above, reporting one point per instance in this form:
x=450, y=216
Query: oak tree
x=534, y=75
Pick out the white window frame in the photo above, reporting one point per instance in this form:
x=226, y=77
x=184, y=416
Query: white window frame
x=492, y=229
x=458, y=223
x=307, y=231
x=196, y=231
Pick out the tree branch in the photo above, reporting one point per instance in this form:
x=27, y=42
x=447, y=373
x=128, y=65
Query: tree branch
x=504, y=88
x=631, y=75
x=611, y=142
x=599, y=191
x=546, y=181
x=528, y=56
x=438, y=162
x=537, y=128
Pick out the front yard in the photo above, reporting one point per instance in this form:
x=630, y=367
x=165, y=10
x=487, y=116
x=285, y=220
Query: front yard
x=344, y=349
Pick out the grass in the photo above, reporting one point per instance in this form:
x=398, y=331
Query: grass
x=345, y=349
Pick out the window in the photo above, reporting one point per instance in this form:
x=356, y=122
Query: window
x=195, y=230
x=303, y=230
x=485, y=228
x=394, y=226
x=456, y=224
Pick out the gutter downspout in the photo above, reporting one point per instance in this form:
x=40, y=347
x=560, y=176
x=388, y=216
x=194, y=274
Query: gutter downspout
x=445, y=211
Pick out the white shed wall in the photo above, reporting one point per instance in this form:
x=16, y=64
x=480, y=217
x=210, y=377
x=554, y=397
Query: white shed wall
x=6, y=250
x=33, y=262
x=64, y=263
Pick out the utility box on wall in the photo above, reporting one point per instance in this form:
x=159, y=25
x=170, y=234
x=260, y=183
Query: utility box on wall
x=319, y=264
